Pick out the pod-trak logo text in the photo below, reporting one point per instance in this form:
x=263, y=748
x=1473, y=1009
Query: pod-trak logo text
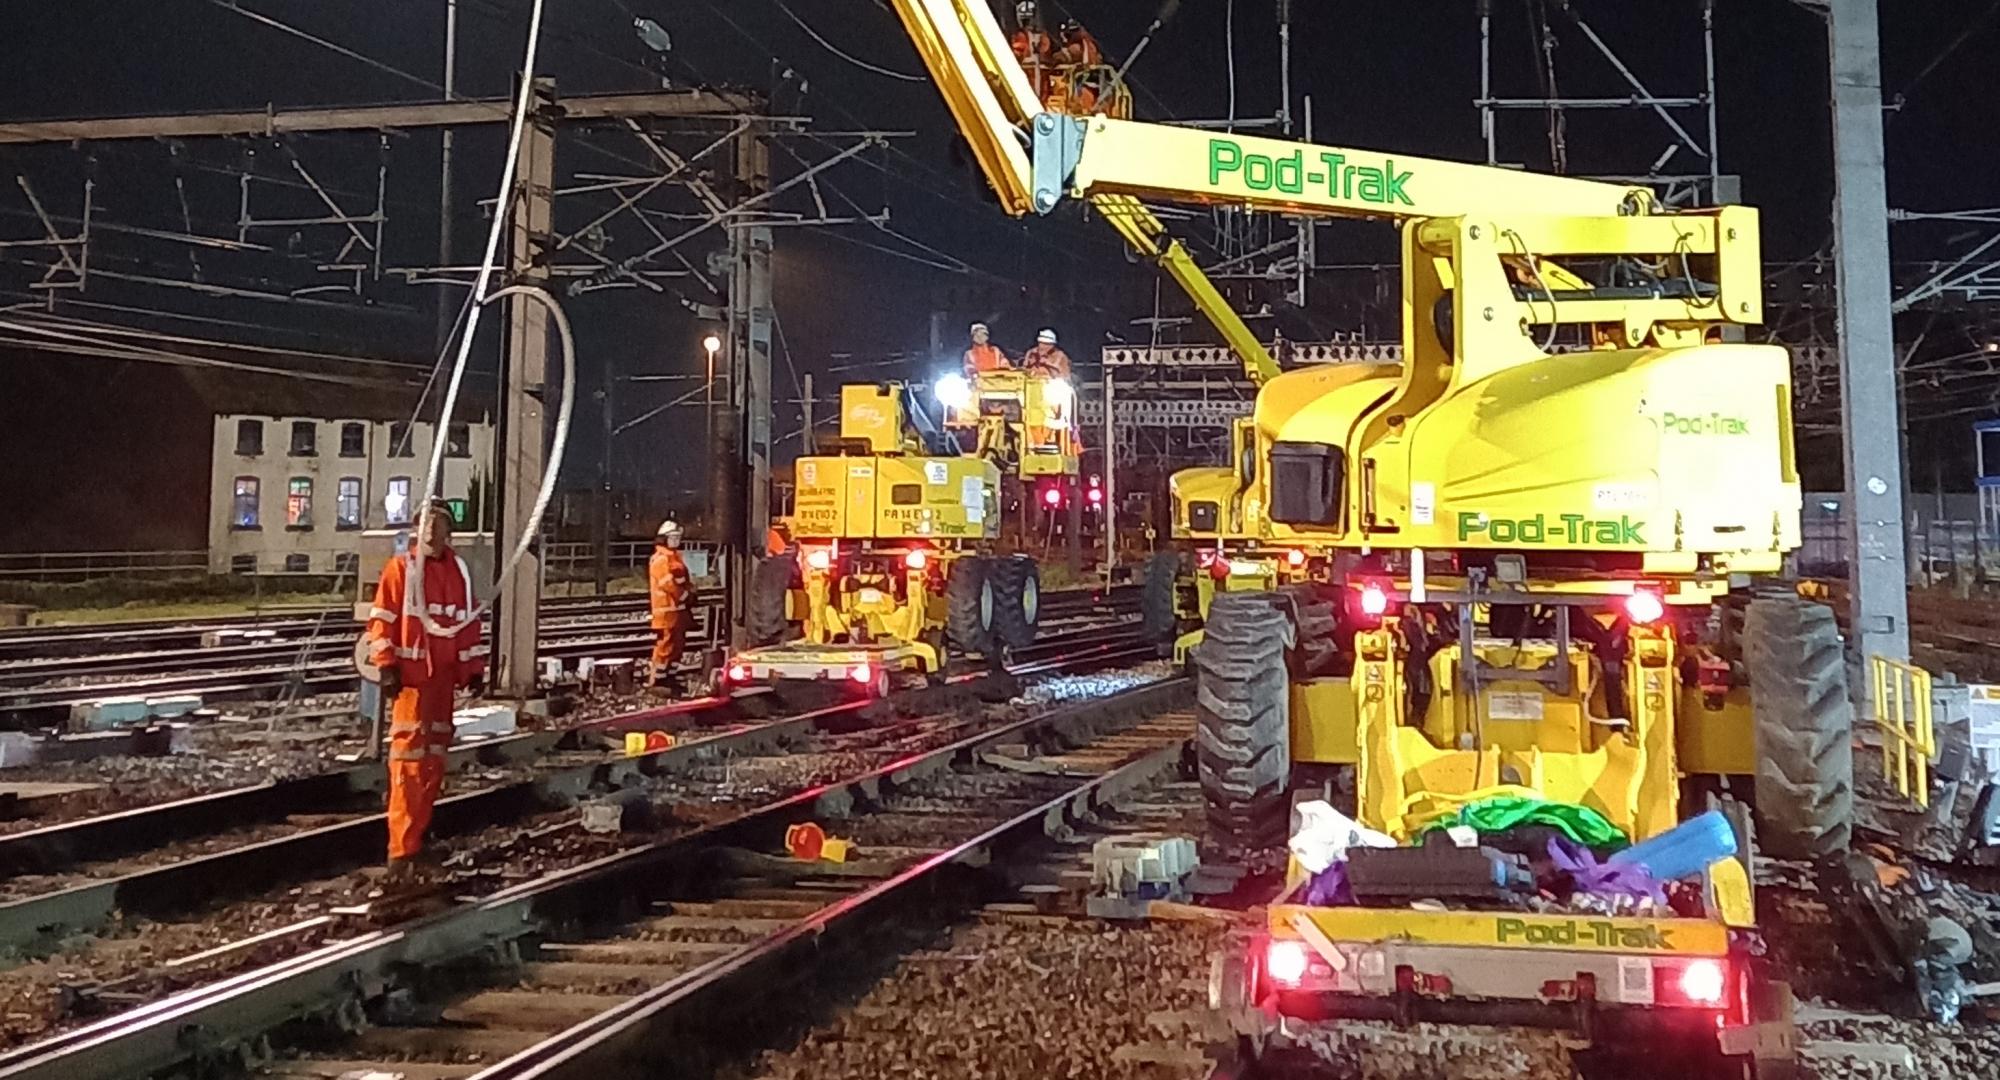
x=1544, y=529
x=1588, y=933
x=1291, y=174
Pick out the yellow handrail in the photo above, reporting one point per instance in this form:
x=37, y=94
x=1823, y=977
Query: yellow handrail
x=1901, y=695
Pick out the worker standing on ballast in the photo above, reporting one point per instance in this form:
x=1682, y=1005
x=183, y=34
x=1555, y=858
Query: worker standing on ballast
x=983, y=355
x=667, y=578
x=1046, y=359
x=420, y=670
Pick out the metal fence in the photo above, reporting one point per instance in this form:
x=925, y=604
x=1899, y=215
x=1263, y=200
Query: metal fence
x=89, y=565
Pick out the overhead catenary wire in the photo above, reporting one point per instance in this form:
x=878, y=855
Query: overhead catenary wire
x=836, y=50
x=387, y=69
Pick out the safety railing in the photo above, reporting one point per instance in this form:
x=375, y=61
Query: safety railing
x=1902, y=698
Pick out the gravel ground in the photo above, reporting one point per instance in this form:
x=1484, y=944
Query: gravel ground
x=40, y=997
x=1035, y=1000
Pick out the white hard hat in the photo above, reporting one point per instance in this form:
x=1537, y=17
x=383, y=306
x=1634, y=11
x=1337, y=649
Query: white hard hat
x=1046, y=337
x=669, y=527
x=978, y=326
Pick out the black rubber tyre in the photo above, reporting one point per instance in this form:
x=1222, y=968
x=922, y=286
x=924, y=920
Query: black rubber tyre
x=969, y=607
x=1316, y=623
x=1243, y=722
x=1805, y=728
x=770, y=579
x=1017, y=600
x=1159, y=614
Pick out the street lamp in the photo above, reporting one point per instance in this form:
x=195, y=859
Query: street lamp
x=713, y=343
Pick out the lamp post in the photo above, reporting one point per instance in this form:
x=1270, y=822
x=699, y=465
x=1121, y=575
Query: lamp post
x=713, y=344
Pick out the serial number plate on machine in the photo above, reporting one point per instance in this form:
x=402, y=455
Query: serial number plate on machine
x=1513, y=705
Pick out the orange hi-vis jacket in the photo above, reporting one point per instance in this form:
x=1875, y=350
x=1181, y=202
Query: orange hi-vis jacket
x=1048, y=361
x=987, y=357
x=396, y=631
x=667, y=576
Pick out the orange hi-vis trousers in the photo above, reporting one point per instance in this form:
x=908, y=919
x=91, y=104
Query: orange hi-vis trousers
x=420, y=734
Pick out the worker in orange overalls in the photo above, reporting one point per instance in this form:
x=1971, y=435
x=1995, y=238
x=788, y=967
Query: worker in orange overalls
x=1034, y=49
x=667, y=578
x=777, y=538
x=1046, y=359
x=1076, y=53
x=420, y=670
x=983, y=355
x=1048, y=362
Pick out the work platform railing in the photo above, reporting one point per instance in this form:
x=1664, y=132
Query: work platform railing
x=1901, y=696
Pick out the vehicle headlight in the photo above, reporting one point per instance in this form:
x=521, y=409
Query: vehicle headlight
x=953, y=392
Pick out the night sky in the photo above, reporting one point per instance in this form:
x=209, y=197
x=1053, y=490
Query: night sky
x=1395, y=77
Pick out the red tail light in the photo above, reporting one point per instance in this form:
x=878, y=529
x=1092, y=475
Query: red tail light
x=1285, y=962
x=915, y=560
x=819, y=559
x=738, y=672
x=1295, y=557
x=1052, y=496
x=1374, y=601
x=1703, y=982
x=861, y=673
x=1644, y=607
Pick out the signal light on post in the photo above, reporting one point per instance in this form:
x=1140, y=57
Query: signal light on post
x=1052, y=496
x=1644, y=607
x=1286, y=961
x=1097, y=496
x=1374, y=601
x=1703, y=982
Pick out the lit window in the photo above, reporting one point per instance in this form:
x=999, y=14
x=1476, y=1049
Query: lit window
x=399, y=440
x=353, y=439
x=458, y=440
x=396, y=504
x=243, y=512
x=305, y=438
x=299, y=503
x=300, y=563
x=249, y=437
x=347, y=503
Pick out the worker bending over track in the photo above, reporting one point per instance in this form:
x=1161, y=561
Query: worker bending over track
x=667, y=579
x=420, y=671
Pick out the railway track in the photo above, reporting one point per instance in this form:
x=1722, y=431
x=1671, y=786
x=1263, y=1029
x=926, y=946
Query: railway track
x=154, y=861
x=86, y=639
x=705, y=779
x=44, y=688
x=657, y=936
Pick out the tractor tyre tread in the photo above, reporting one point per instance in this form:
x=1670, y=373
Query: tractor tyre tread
x=1159, y=614
x=966, y=625
x=1804, y=728
x=1243, y=716
x=1013, y=624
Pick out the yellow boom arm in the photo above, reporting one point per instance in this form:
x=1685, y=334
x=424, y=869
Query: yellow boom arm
x=1034, y=159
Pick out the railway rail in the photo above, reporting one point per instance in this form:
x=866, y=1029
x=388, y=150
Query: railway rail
x=84, y=639
x=907, y=748
x=40, y=689
x=660, y=934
